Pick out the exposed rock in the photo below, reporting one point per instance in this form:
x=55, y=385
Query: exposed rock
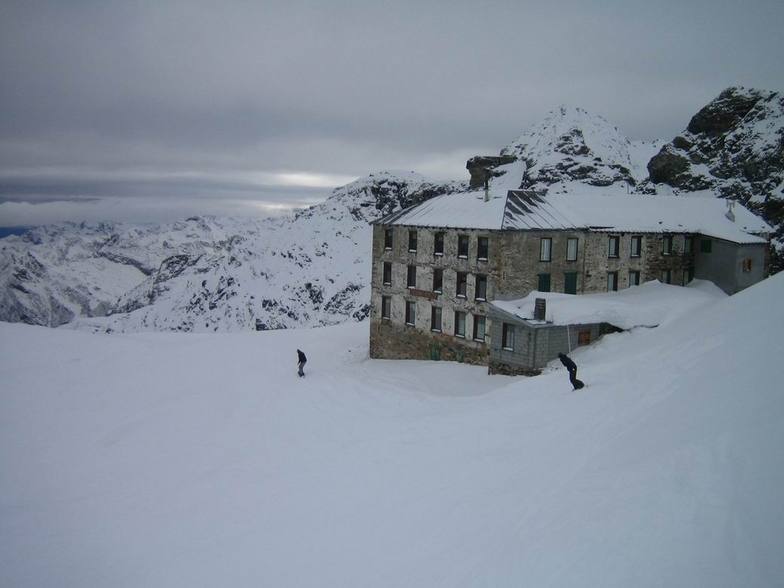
x=481, y=168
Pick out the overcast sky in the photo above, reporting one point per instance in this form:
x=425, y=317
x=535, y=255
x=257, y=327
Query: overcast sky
x=152, y=110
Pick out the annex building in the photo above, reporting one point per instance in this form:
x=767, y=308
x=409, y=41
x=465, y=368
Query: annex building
x=439, y=265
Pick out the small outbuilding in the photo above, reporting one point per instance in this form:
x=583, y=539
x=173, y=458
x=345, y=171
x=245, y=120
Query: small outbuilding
x=528, y=333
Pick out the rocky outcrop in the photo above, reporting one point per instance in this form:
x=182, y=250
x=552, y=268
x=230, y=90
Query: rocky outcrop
x=482, y=167
x=734, y=146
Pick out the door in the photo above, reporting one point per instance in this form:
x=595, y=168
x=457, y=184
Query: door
x=570, y=282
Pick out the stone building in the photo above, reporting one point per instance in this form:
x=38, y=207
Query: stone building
x=437, y=265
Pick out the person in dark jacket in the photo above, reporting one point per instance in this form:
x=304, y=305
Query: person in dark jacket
x=301, y=361
x=572, y=367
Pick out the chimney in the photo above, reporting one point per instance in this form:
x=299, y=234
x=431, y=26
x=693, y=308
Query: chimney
x=540, y=307
x=487, y=190
x=730, y=214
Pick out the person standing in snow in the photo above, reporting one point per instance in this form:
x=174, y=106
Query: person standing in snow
x=572, y=367
x=301, y=361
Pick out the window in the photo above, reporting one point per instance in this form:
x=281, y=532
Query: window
x=666, y=276
x=613, y=246
x=388, y=239
x=571, y=249
x=688, y=244
x=387, y=279
x=544, y=283
x=386, y=307
x=747, y=264
x=460, y=323
x=570, y=282
x=612, y=281
x=438, y=280
x=481, y=287
x=545, y=249
x=706, y=245
x=438, y=244
x=508, y=337
x=583, y=337
x=411, y=278
x=481, y=248
x=410, y=312
x=462, y=245
x=634, y=277
x=435, y=319
x=412, y=241
x=667, y=245
x=462, y=284
x=636, y=250
x=479, y=328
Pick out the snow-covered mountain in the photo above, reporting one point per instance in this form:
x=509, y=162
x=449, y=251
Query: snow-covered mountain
x=220, y=274
x=207, y=273
x=733, y=146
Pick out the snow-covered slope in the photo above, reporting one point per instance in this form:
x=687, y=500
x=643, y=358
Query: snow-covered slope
x=207, y=273
x=161, y=459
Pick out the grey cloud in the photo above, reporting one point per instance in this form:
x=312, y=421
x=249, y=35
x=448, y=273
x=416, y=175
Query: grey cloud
x=347, y=87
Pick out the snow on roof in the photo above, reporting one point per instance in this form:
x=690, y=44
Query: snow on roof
x=647, y=305
x=509, y=209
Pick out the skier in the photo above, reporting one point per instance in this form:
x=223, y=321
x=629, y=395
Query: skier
x=301, y=361
x=572, y=367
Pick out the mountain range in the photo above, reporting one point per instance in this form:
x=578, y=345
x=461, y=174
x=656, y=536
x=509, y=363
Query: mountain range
x=312, y=268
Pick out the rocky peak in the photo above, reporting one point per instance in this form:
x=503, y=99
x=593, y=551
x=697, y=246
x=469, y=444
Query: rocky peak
x=568, y=145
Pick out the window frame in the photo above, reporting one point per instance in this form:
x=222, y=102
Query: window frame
x=464, y=294
x=480, y=279
x=539, y=278
x=635, y=240
x=436, y=311
x=463, y=239
x=548, y=250
x=438, y=240
x=437, y=271
x=614, y=275
x=668, y=273
x=460, y=314
x=479, y=247
x=477, y=320
x=569, y=241
x=507, y=336
x=613, y=240
x=409, y=274
x=666, y=245
x=389, y=239
x=688, y=244
x=386, y=308
x=410, y=318
x=386, y=265
x=413, y=238
x=638, y=276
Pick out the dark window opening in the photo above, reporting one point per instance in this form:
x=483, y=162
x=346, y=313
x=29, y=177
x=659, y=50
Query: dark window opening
x=388, y=239
x=462, y=284
x=387, y=279
x=482, y=248
x=667, y=245
x=544, y=283
x=411, y=277
x=634, y=278
x=438, y=280
x=479, y=328
x=412, y=241
x=706, y=246
x=462, y=245
x=435, y=319
x=386, y=307
x=438, y=244
x=584, y=338
x=460, y=318
x=508, y=337
x=410, y=312
x=480, y=292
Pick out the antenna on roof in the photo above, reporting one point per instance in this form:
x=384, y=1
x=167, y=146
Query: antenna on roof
x=730, y=214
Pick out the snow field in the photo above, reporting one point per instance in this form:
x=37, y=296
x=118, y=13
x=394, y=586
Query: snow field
x=199, y=460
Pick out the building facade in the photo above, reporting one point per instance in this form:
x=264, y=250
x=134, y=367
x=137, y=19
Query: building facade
x=431, y=284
